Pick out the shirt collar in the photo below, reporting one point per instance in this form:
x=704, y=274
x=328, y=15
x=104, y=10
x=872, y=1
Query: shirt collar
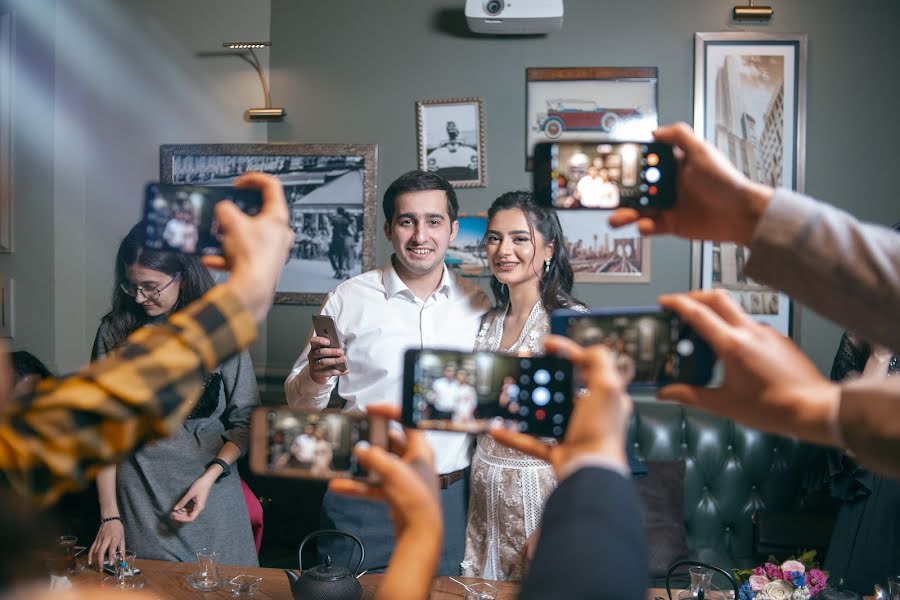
x=393, y=285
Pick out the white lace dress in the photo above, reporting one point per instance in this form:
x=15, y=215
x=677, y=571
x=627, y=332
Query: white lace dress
x=507, y=488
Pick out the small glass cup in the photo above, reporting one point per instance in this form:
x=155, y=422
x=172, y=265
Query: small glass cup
x=894, y=587
x=481, y=591
x=67, y=561
x=207, y=576
x=244, y=586
x=126, y=575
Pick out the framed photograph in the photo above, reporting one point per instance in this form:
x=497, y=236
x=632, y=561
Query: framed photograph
x=463, y=254
x=451, y=140
x=750, y=101
x=7, y=55
x=330, y=190
x=601, y=254
x=589, y=103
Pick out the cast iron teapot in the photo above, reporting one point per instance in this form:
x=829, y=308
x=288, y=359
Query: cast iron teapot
x=328, y=581
x=698, y=586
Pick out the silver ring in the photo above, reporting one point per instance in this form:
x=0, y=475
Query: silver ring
x=319, y=362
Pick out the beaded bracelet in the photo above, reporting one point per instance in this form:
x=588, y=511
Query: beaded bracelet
x=108, y=519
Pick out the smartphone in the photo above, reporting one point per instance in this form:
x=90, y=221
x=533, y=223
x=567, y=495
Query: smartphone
x=325, y=327
x=471, y=391
x=604, y=175
x=180, y=218
x=311, y=445
x=653, y=347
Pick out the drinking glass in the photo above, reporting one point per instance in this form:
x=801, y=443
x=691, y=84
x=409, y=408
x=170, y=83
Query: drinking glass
x=207, y=576
x=67, y=561
x=894, y=587
x=481, y=591
x=125, y=577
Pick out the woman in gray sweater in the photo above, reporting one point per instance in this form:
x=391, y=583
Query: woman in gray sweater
x=180, y=494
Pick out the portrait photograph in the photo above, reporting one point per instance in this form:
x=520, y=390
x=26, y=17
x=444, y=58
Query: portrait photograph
x=750, y=104
x=451, y=140
x=330, y=191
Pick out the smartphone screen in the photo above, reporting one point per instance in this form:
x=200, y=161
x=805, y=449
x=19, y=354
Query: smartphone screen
x=311, y=445
x=652, y=347
x=471, y=391
x=180, y=218
x=604, y=175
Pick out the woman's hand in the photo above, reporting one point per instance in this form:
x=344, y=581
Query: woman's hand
x=110, y=539
x=194, y=501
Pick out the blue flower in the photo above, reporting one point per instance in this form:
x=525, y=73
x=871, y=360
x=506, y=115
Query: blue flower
x=799, y=580
x=745, y=593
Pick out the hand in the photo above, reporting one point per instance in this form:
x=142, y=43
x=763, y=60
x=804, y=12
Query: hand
x=769, y=384
x=714, y=201
x=110, y=539
x=599, y=421
x=407, y=483
x=325, y=362
x=531, y=544
x=254, y=248
x=194, y=501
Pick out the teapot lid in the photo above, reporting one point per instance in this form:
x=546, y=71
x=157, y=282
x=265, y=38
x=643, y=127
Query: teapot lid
x=328, y=571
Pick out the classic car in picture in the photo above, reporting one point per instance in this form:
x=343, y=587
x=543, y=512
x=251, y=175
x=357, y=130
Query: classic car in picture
x=580, y=115
x=454, y=160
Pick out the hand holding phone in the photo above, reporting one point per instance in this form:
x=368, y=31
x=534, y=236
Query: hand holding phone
x=326, y=357
x=311, y=445
x=604, y=175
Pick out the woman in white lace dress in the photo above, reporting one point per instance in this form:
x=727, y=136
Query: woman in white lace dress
x=531, y=276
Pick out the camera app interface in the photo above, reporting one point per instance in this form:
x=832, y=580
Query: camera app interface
x=319, y=444
x=470, y=392
x=609, y=175
x=642, y=343
x=180, y=218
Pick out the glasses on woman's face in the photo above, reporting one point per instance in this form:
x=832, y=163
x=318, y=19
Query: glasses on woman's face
x=149, y=292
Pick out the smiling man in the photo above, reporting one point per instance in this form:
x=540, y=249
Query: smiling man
x=413, y=301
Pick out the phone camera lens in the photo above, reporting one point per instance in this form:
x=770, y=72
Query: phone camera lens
x=494, y=7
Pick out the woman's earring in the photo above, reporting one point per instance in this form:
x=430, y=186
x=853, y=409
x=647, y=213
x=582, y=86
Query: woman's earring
x=547, y=265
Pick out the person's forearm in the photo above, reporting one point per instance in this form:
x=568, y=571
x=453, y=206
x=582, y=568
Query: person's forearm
x=413, y=564
x=106, y=492
x=302, y=392
x=869, y=424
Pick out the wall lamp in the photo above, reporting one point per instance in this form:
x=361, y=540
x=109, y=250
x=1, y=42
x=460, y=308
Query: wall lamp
x=750, y=12
x=257, y=114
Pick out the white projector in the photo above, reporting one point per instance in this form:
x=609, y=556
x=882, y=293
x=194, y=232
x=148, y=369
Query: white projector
x=514, y=17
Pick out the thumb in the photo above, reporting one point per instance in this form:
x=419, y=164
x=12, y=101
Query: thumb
x=184, y=500
x=228, y=214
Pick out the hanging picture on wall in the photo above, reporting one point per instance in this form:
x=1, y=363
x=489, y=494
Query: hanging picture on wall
x=601, y=254
x=464, y=253
x=750, y=102
x=451, y=140
x=330, y=190
x=589, y=103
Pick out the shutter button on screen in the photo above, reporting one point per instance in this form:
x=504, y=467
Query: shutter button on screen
x=685, y=347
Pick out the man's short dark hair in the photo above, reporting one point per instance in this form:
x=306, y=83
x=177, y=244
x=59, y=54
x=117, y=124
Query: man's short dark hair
x=419, y=181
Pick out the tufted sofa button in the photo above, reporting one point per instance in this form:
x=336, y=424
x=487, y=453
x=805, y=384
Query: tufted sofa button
x=754, y=488
x=729, y=447
x=728, y=528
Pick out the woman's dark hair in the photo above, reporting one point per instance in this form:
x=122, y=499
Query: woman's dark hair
x=556, y=283
x=126, y=314
x=25, y=363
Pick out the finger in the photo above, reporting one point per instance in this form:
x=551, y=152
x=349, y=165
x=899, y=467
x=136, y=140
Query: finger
x=333, y=353
x=705, y=321
x=680, y=135
x=183, y=502
x=623, y=216
x=214, y=262
x=523, y=443
x=722, y=302
x=274, y=204
x=356, y=489
x=564, y=348
x=111, y=550
x=319, y=341
x=388, y=411
x=398, y=443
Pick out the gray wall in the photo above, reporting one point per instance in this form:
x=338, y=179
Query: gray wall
x=351, y=72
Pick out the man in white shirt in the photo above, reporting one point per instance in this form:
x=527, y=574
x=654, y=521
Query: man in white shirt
x=444, y=389
x=413, y=301
x=595, y=190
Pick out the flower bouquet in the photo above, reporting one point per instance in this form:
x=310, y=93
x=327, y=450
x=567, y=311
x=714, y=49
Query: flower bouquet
x=795, y=579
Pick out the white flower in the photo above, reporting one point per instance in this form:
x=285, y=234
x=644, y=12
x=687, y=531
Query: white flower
x=778, y=590
x=801, y=593
x=793, y=566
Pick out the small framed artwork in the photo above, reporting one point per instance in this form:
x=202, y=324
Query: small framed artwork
x=7, y=57
x=601, y=254
x=464, y=253
x=451, y=140
x=589, y=103
x=750, y=102
x=330, y=190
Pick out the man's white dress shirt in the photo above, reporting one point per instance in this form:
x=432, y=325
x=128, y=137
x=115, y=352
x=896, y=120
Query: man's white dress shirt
x=377, y=319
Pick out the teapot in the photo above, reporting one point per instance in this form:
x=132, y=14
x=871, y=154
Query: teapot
x=328, y=581
x=700, y=584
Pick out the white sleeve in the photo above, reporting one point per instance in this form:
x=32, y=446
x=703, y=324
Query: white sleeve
x=299, y=388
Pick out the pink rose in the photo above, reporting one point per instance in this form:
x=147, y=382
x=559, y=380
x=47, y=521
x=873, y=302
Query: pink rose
x=759, y=571
x=795, y=566
x=773, y=571
x=758, y=582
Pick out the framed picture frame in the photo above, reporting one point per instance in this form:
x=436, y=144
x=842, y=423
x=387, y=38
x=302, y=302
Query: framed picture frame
x=450, y=136
x=750, y=102
x=589, y=103
x=464, y=254
x=7, y=62
x=331, y=193
x=601, y=254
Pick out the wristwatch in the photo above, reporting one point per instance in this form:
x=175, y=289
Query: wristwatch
x=226, y=468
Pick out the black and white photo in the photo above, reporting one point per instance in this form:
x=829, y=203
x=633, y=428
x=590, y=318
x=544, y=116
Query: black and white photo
x=330, y=190
x=451, y=139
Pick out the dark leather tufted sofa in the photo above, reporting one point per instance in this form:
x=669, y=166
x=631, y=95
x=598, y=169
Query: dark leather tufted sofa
x=731, y=472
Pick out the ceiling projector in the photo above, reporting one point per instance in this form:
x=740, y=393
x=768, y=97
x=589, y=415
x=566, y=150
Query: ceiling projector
x=514, y=17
